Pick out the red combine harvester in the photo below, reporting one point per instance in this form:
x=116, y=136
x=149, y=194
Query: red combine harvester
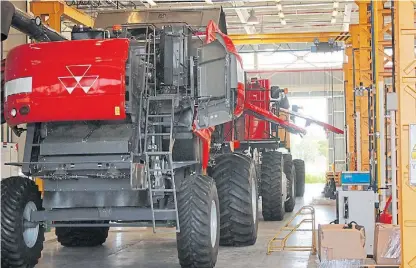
x=261, y=138
x=268, y=142
x=122, y=124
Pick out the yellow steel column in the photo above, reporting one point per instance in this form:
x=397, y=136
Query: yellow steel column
x=349, y=108
x=405, y=86
x=349, y=72
x=365, y=79
x=379, y=59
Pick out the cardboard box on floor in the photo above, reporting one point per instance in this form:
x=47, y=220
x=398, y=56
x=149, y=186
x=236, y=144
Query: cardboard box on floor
x=336, y=243
x=385, y=237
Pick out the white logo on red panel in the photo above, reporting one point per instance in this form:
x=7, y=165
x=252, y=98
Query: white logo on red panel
x=78, y=78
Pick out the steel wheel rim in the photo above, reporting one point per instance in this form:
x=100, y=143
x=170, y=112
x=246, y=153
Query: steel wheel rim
x=214, y=223
x=293, y=184
x=254, y=201
x=30, y=234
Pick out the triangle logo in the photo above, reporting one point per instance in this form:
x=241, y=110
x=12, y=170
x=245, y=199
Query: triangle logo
x=78, y=78
x=87, y=82
x=68, y=82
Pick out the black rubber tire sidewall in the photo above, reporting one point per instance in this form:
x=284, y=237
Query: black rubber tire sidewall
x=234, y=175
x=82, y=236
x=271, y=186
x=194, y=246
x=18, y=192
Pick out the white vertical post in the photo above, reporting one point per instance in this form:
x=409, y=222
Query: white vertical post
x=393, y=166
x=358, y=137
x=381, y=152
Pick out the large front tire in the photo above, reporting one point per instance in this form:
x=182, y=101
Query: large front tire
x=81, y=236
x=21, y=244
x=273, y=208
x=300, y=177
x=236, y=179
x=199, y=218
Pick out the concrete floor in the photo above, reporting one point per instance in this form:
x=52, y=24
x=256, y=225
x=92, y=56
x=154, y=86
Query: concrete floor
x=139, y=247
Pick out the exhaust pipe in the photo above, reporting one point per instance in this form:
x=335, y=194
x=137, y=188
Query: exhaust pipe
x=25, y=23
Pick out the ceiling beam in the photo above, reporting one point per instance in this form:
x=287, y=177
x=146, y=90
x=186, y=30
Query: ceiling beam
x=347, y=17
x=278, y=38
x=243, y=16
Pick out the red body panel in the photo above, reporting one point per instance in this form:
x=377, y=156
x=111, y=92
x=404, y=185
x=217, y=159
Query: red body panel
x=70, y=80
x=272, y=118
x=257, y=94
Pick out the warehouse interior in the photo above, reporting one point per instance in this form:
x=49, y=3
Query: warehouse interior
x=208, y=133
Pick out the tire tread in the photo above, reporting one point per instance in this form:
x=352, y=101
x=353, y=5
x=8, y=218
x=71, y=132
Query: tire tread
x=271, y=186
x=194, y=239
x=232, y=173
x=15, y=193
x=300, y=177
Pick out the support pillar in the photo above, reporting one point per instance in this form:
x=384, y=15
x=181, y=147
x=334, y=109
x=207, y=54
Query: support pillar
x=406, y=116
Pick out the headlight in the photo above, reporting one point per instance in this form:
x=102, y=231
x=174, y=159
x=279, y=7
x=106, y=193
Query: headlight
x=13, y=112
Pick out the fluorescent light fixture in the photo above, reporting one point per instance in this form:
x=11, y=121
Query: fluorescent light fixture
x=281, y=15
x=151, y=3
x=333, y=20
x=252, y=19
x=334, y=13
x=283, y=22
x=208, y=2
x=336, y=4
x=279, y=7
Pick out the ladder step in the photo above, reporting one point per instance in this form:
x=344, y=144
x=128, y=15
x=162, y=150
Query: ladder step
x=163, y=190
x=162, y=97
x=158, y=134
x=164, y=210
x=161, y=170
x=179, y=164
x=160, y=124
x=158, y=153
x=159, y=115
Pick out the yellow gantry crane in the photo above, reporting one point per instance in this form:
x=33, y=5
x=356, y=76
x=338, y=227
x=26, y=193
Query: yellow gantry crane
x=52, y=13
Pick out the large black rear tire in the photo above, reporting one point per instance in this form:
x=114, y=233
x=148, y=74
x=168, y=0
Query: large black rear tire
x=82, y=236
x=20, y=246
x=300, y=177
x=236, y=179
x=271, y=186
x=199, y=218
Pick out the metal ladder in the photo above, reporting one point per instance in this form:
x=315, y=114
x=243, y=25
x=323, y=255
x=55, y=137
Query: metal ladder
x=153, y=122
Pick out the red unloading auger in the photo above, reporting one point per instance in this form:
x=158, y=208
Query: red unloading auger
x=311, y=120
